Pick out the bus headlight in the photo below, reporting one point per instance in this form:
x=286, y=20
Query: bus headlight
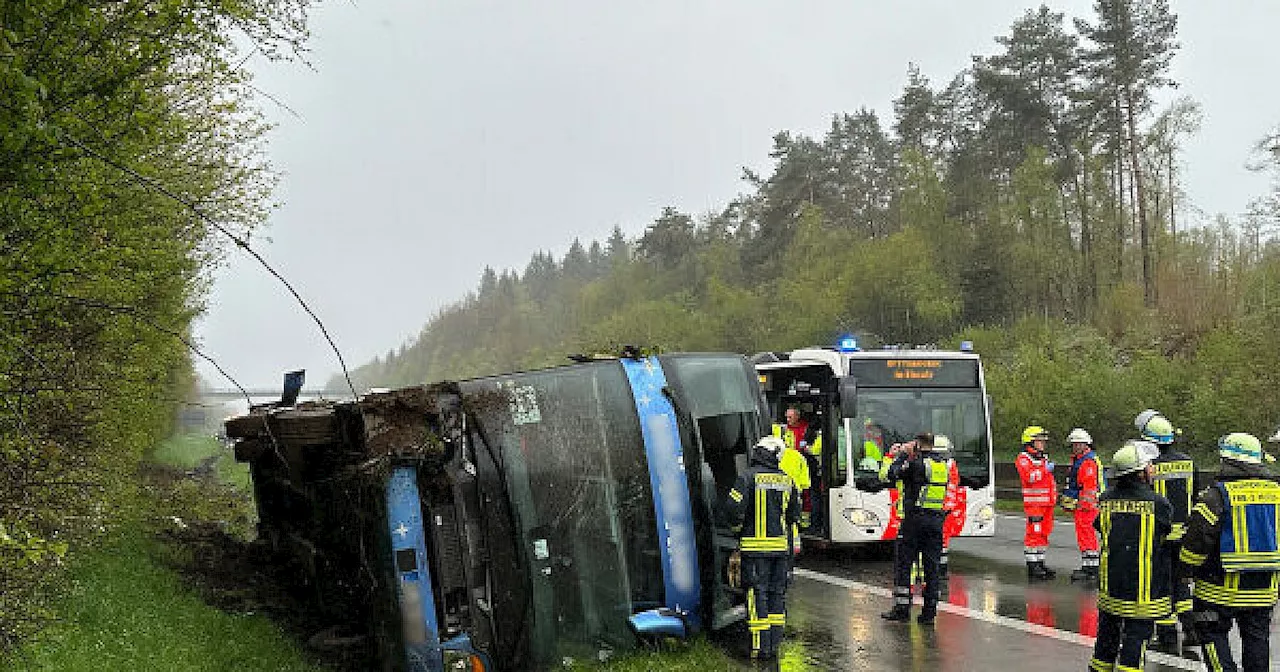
x=861, y=518
x=986, y=514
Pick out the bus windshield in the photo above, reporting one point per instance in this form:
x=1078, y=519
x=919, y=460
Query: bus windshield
x=886, y=417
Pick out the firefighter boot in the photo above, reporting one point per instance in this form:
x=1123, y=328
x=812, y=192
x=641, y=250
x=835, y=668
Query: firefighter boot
x=1036, y=571
x=1085, y=574
x=899, y=613
x=928, y=614
x=1167, y=637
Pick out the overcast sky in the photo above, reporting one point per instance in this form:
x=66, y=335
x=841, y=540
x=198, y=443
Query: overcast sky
x=436, y=137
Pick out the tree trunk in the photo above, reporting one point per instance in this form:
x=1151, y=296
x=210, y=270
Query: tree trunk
x=1086, y=238
x=1144, y=230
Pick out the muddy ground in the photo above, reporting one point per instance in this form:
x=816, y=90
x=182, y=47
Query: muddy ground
x=205, y=531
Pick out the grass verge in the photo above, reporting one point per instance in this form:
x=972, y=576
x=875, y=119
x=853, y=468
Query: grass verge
x=126, y=610
x=124, y=606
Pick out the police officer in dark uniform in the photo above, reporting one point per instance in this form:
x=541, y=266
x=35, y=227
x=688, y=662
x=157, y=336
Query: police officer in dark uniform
x=1231, y=549
x=1133, y=586
x=1174, y=478
x=763, y=509
x=924, y=489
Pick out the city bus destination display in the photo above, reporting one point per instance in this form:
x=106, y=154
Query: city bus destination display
x=914, y=372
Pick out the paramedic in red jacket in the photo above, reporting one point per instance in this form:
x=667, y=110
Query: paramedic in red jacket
x=1039, y=495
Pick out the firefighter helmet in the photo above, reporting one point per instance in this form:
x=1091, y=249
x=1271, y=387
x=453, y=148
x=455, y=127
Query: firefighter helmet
x=1034, y=432
x=941, y=443
x=1134, y=456
x=1079, y=435
x=773, y=445
x=1240, y=447
x=1155, y=427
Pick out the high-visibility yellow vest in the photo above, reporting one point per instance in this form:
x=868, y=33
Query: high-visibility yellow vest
x=934, y=492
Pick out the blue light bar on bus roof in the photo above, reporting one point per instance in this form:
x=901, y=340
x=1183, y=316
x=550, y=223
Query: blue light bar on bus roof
x=847, y=344
x=966, y=346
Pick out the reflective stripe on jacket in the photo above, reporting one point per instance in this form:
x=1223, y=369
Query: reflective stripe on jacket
x=1038, y=487
x=1085, y=481
x=763, y=509
x=1219, y=521
x=1133, y=581
x=1175, y=475
x=1249, y=542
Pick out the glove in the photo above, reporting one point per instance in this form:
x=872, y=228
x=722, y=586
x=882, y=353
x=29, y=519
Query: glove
x=1068, y=503
x=1048, y=466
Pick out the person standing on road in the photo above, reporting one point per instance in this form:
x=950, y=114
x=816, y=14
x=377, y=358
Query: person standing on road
x=1175, y=479
x=1039, y=495
x=1133, y=589
x=1230, y=547
x=762, y=510
x=1084, y=484
x=923, y=482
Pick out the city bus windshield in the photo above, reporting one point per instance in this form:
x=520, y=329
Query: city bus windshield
x=886, y=417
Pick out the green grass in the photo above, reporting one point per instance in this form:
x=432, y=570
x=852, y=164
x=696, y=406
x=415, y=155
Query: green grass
x=696, y=656
x=126, y=611
x=188, y=451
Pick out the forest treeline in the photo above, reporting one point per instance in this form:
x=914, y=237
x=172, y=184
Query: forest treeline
x=1032, y=204
x=130, y=153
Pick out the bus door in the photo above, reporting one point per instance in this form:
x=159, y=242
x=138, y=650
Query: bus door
x=811, y=389
x=722, y=416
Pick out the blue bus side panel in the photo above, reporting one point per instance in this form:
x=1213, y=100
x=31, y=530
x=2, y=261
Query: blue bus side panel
x=671, y=502
x=413, y=574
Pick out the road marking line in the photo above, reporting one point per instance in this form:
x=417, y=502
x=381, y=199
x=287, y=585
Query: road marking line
x=996, y=619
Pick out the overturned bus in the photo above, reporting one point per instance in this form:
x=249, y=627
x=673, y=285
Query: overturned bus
x=516, y=521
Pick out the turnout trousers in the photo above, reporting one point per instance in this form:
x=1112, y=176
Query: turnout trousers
x=1036, y=539
x=1213, y=624
x=765, y=579
x=1121, y=644
x=920, y=535
x=1179, y=592
x=1087, y=537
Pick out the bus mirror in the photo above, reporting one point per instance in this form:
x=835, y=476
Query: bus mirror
x=848, y=397
x=660, y=622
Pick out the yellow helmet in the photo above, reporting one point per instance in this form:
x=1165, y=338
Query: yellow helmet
x=1034, y=432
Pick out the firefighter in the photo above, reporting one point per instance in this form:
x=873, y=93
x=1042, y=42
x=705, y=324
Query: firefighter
x=1230, y=548
x=796, y=435
x=1133, y=590
x=1175, y=479
x=1039, y=495
x=923, y=482
x=1084, y=483
x=763, y=508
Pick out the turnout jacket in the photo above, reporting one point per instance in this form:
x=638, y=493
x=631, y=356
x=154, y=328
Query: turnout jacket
x=1133, y=580
x=1175, y=479
x=1230, y=544
x=1084, y=482
x=1039, y=490
x=764, y=507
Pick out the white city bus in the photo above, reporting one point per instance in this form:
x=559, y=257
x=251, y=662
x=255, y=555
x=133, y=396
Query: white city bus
x=867, y=401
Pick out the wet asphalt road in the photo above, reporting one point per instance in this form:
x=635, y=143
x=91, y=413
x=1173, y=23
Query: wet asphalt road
x=990, y=618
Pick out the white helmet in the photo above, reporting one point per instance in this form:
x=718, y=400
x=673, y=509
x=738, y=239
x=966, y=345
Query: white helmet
x=1133, y=456
x=772, y=444
x=1078, y=435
